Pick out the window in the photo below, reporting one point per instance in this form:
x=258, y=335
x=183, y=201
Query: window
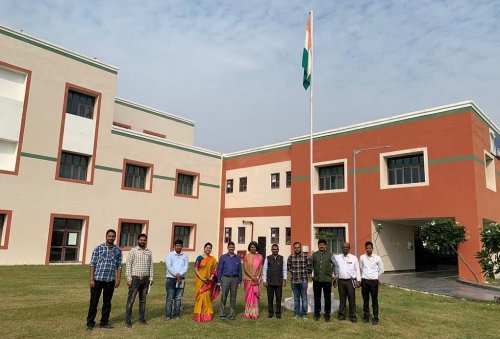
x=288, y=235
x=241, y=235
x=275, y=235
x=65, y=241
x=406, y=169
x=2, y=222
x=275, y=180
x=135, y=176
x=73, y=166
x=80, y=104
x=187, y=184
x=227, y=234
x=243, y=184
x=229, y=186
x=489, y=167
x=14, y=90
x=288, y=179
x=183, y=233
x=129, y=232
x=336, y=238
x=5, y=217
x=331, y=177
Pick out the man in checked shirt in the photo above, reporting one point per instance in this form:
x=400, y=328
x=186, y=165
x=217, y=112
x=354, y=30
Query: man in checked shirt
x=139, y=271
x=105, y=272
x=300, y=267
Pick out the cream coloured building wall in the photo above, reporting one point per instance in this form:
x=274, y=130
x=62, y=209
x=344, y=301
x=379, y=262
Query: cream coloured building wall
x=261, y=228
x=33, y=195
x=142, y=118
x=259, y=192
x=392, y=246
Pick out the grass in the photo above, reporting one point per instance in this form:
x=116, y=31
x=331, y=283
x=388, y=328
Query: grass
x=52, y=301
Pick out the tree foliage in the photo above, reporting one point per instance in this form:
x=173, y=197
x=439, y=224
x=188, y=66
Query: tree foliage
x=489, y=256
x=444, y=232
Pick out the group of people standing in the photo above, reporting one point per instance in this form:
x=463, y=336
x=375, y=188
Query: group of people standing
x=226, y=276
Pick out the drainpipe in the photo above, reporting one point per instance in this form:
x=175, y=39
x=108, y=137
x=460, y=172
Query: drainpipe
x=248, y=222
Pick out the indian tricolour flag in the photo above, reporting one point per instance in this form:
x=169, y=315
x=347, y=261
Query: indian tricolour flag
x=307, y=55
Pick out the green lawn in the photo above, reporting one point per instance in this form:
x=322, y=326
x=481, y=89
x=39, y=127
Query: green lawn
x=52, y=301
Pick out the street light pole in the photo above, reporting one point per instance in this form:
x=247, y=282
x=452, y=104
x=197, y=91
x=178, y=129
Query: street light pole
x=355, y=203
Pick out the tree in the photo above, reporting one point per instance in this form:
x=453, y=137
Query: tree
x=444, y=232
x=489, y=256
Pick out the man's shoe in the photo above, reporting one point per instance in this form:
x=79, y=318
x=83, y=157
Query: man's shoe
x=354, y=320
x=375, y=321
x=90, y=328
x=316, y=317
x=278, y=316
x=129, y=325
x=223, y=318
x=341, y=318
x=167, y=318
x=270, y=315
x=106, y=326
x=296, y=317
x=231, y=318
x=366, y=320
x=143, y=322
x=327, y=319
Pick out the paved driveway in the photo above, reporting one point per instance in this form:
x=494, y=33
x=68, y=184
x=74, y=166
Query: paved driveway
x=439, y=282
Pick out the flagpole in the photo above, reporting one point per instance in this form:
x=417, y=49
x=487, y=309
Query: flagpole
x=311, y=136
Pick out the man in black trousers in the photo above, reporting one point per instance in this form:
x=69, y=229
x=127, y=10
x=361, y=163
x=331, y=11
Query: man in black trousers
x=322, y=280
x=274, y=279
x=346, y=268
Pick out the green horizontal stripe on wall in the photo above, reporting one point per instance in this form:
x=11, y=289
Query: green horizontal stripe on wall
x=163, y=144
x=300, y=177
x=110, y=169
x=58, y=51
x=455, y=159
x=209, y=185
x=364, y=170
x=163, y=177
x=158, y=114
x=37, y=156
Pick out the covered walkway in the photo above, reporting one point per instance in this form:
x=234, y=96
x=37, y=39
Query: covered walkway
x=441, y=282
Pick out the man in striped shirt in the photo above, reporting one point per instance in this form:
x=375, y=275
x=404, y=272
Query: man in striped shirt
x=139, y=271
x=371, y=269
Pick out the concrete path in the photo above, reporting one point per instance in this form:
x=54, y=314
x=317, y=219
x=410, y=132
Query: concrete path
x=439, y=282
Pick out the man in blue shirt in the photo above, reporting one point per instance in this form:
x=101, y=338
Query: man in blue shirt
x=229, y=273
x=105, y=272
x=177, y=266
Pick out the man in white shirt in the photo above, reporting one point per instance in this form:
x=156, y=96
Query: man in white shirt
x=371, y=268
x=177, y=266
x=348, y=277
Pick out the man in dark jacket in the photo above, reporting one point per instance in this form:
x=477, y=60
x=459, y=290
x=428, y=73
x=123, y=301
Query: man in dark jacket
x=274, y=279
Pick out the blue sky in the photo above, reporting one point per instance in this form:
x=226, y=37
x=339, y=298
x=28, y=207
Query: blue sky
x=234, y=67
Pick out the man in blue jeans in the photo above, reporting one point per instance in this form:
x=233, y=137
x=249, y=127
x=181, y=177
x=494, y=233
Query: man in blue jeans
x=177, y=266
x=300, y=267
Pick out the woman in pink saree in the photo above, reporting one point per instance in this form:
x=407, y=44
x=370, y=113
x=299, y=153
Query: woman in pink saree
x=252, y=272
x=205, y=285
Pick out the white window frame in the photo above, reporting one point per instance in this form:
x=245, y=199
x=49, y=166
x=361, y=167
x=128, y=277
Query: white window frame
x=344, y=225
x=318, y=165
x=489, y=171
x=384, y=175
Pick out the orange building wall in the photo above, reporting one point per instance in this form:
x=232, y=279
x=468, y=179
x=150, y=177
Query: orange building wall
x=455, y=142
